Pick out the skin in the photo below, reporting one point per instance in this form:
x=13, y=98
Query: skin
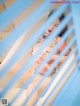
x=46, y=67
x=52, y=27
